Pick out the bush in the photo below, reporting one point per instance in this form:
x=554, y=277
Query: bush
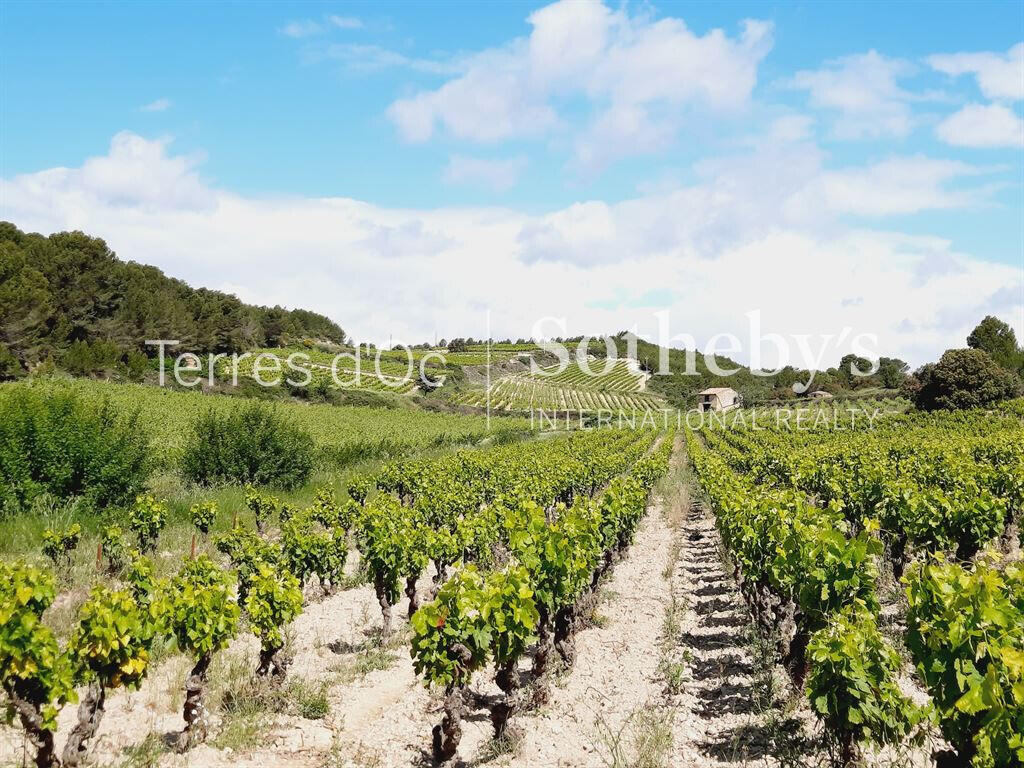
x=252, y=444
x=53, y=440
x=59, y=544
x=963, y=378
x=274, y=599
x=115, y=547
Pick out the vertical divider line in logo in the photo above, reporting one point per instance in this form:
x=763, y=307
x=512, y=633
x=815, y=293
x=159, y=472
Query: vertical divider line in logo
x=488, y=380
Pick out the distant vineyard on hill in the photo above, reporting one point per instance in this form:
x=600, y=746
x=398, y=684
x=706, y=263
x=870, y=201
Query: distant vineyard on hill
x=619, y=385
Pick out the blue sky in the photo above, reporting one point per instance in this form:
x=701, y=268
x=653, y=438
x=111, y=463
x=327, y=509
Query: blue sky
x=426, y=107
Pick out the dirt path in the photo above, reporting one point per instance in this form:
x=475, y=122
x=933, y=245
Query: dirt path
x=719, y=721
x=735, y=707
x=387, y=716
x=615, y=677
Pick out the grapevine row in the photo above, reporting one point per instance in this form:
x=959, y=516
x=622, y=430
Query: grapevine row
x=468, y=510
x=922, y=489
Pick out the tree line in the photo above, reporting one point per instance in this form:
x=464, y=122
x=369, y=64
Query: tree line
x=67, y=299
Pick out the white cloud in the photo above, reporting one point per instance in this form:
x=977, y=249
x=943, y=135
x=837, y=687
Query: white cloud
x=160, y=105
x=308, y=27
x=368, y=58
x=900, y=185
x=778, y=187
x=980, y=125
x=497, y=174
x=136, y=174
x=492, y=101
x=635, y=73
x=791, y=128
x=999, y=75
x=301, y=28
x=863, y=89
x=744, y=236
x=345, y=22
x=409, y=240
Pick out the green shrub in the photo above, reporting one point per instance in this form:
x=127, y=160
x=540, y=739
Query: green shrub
x=252, y=444
x=965, y=632
x=202, y=615
x=963, y=378
x=273, y=601
x=262, y=505
x=140, y=576
x=10, y=367
x=54, y=441
x=110, y=649
x=852, y=684
x=247, y=550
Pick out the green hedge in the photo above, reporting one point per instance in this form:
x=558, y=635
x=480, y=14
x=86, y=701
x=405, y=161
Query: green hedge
x=54, y=441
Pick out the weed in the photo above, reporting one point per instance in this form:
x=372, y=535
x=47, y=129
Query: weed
x=145, y=754
x=644, y=740
x=675, y=675
x=508, y=743
x=309, y=699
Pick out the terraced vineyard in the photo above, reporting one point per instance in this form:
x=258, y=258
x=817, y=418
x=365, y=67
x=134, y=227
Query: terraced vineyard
x=396, y=375
x=620, y=387
x=354, y=372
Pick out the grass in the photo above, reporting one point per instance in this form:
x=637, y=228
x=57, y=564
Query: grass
x=674, y=666
x=309, y=699
x=371, y=656
x=675, y=674
x=508, y=743
x=247, y=703
x=145, y=754
x=643, y=740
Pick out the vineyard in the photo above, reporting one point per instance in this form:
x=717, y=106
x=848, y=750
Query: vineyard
x=608, y=385
x=325, y=369
x=395, y=372
x=513, y=543
x=826, y=529
x=338, y=432
x=548, y=384
x=840, y=584
x=619, y=386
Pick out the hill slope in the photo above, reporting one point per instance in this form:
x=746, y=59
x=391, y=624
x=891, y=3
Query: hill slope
x=68, y=297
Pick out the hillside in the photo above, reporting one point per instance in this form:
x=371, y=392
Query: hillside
x=680, y=388
x=69, y=298
x=619, y=387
